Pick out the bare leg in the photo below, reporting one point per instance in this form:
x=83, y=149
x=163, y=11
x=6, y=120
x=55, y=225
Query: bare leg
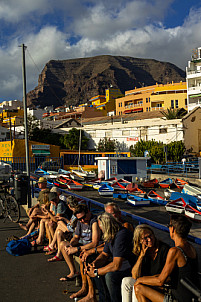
x=41, y=235
x=91, y=296
x=83, y=291
x=145, y=293
x=68, y=258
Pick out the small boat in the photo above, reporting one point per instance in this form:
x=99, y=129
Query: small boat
x=64, y=172
x=59, y=184
x=82, y=173
x=131, y=187
x=167, y=183
x=193, y=201
x=152, y=183
x=156, y=198
x=176, y=206
x=192, y=213
x=180, y=183
x=106, y=190
x=91, y=182
x=191, y=190
x=63, y=179
x=75, y=176
x=121, y=184
x=137, y=201
x=167, y=193
x=138, y=192
x=74, y=185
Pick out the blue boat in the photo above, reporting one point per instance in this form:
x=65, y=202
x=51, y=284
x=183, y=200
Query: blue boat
x=106, y=190
x=167, y=183
x=121, y=194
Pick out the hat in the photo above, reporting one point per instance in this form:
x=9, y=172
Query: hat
x=52, y=196
x=55, y=190
x=42, y=179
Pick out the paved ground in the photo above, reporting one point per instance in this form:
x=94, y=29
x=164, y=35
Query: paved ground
x=30, y=278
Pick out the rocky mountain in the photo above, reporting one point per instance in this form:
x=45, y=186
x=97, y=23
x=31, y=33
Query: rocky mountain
x=75, y=81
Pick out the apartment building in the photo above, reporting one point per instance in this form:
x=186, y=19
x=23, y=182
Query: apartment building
x=193, y=79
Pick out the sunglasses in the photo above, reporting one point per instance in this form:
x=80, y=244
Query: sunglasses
x=82, y=218
x=169, y=225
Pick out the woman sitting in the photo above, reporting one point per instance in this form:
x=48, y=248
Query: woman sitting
x=151, y=255
x=181, y=262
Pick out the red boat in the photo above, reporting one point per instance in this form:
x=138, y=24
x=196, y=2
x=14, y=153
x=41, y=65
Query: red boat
x=152, y=183
x=153, y=194
x=63, y=179
x=180, y=183
x=59, y=184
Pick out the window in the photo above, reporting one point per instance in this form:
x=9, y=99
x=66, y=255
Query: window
x=126, y=132
x=108, y=133
x=172, y=104
x=119, y=105
x=93, y=134
x=176, y=104
x=147, y=100
x=147, y=109
x=163, y=130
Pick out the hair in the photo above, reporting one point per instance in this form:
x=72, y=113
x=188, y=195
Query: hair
x=181, y=224
x=81, y=208
x=72, y=201
x=110, y=226
x=139, y=230
x=55, y=190
x=114, y=205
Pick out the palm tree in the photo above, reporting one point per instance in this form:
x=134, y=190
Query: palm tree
x=171, y=114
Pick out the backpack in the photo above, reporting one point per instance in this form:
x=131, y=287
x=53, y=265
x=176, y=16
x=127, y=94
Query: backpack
x=19, y=247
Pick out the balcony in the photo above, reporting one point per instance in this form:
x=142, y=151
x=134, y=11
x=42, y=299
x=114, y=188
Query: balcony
x=133, y=105
x=157, y=108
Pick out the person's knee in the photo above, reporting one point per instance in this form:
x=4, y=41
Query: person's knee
x=62, y=245
x=127, y=283
x=59, y=232
x=138, y=289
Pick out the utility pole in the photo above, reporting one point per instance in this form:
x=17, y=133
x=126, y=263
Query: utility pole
x=25, y=122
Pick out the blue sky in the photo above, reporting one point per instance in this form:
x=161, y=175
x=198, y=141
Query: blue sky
x=165, y=30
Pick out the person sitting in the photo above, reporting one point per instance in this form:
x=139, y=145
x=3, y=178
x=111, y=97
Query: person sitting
x=57, y=210
x=151, y=259
x=181, y=262
x=35, y=213
x=64, y=230
x=87, y=235
x=118, y=251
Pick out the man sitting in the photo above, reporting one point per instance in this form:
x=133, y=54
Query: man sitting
x=86, y=236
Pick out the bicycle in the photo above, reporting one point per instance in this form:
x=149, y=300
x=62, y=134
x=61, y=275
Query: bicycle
x=9, y=207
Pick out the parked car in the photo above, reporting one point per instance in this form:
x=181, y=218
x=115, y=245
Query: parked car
x=50, y=165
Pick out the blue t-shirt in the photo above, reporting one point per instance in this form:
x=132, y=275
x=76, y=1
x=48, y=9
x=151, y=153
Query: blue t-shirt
x=122, y=246
x=84, y=231
x=61, y=209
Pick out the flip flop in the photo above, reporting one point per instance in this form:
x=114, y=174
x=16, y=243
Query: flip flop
x=69, y=278
x=51, y=252
x=54, y=259
x=47, y=248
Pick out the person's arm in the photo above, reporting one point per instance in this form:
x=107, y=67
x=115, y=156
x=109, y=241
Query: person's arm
x=85, y=253
x=113, y=266
x=159, y=280
x=136, y=270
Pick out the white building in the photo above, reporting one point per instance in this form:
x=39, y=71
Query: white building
x=193, y=80
x=130, y=129
x=4, y=134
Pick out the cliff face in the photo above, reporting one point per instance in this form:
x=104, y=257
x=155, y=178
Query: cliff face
x=75, y=81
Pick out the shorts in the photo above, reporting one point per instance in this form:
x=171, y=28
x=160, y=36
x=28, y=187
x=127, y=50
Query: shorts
x=169, y=298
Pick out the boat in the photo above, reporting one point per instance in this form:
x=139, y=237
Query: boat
x=152, y=183
x=137, y=201
x=64, y=172
x=176, y=206
x=167, y=183
x=63, y=179
x=91, y=182
x=180, y=183
x=121, y=184
x=108, y=181
x=120, y=194
x=75, y=176
x=106, y=190
x=59, y=184
x=193, y=201
x=156, y=198
x=167, y=193
x=131, y=187
x=191, y=190
x=192, y=213
x=82, y=173
x=137, y=191
x=74, y=185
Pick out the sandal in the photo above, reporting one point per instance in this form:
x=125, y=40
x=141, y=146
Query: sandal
x=69, y=278
x=54, y=259
x=47, y=248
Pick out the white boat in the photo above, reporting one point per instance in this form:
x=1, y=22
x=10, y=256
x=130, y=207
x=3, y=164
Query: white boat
x=82, y=173
x=74, y=185
x=137, y=201
x=192, y=213
x=191, y=190
x=176, y=206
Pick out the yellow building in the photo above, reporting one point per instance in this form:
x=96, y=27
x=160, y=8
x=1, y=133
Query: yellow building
x=167, y=96
x=97, y=100
x=136, y=100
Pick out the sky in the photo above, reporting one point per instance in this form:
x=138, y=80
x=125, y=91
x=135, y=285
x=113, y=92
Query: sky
x=165, y=30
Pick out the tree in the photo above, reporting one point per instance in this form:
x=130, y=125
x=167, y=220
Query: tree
x=72, y=140
x=32, y=124
x=174, y=113
x=108, y=145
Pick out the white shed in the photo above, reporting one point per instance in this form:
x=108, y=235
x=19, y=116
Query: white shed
x=127, y=168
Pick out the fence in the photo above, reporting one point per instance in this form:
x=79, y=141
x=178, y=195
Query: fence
x=188, y=169
x=19, y=163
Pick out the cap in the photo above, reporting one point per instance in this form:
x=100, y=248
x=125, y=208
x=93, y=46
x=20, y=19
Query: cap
x=52, y=196
x=42, y=179
x=55, y=190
